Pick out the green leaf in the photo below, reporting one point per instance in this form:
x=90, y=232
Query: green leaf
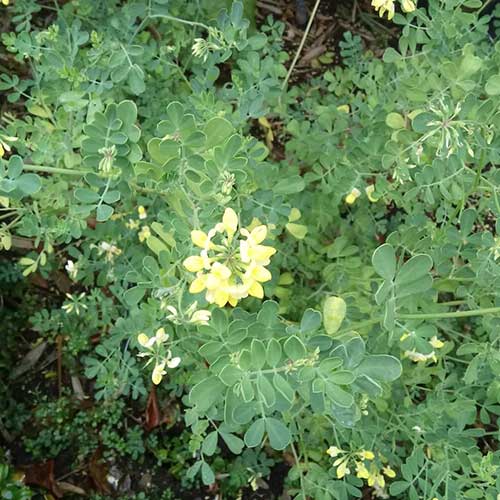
x=398, y=487
x=104, y=212
x=294, y=348
x=338, y=396
x=384, y=261
x=273, y=353
x=217, y=130
x=342, y=377
x=415, y=268
x=230, y=374
x=391, y=56
x=86, y=195
x=381, y=367
x=126, y=111
x=133, y=295
x=234, y=443
x=266, y=391
x=29, y=183
x=311, y=321
x=298, y=231
x=395, y=121
x=492, y=86
x=207, y=474
x=255, y=433
x=258, y=352
x=210, y=444
x=279, y=435
x=289, y=185
x=283, y=387
x=334, y=310
x=204, y=394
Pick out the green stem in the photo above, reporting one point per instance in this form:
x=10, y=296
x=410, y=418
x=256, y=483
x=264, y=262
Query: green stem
x=456, y=314
x=179, y=20
x=54, y=170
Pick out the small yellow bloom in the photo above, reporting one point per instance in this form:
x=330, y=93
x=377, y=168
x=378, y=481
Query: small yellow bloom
x=142, y=212
x=256, y=290
x=369, y=190
x=388, y=472
x=230, y=221
x=199, y=238
x=194, y=263
x=144, y=233
x=366, y=455
x=334, y=451
x=419, y=357
x=143, y=339
x=352, y=196
x=383, y=6
x=158, y=372
x=342, y=469
x=408, y=6
x=132, y=224
x=436, y=343
x=5, y=2
x=344, y=108
x=199, y=284
x=362, y=471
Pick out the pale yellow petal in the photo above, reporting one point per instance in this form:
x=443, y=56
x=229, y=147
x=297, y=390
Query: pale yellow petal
x=198, y=284
x=194, y=263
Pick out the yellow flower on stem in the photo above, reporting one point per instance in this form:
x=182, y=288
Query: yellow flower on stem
x=352, y=196
x=156, y=351
x=436, y=343
x=142, y=212
x=383, y=6
x=408, y=6
x=334, y=451
x=231, y=264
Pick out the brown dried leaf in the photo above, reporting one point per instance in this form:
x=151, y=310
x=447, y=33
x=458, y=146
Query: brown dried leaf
x=152, y=416
x=42, y=474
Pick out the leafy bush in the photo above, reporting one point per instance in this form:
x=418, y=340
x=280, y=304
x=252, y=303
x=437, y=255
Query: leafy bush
x=309, y=270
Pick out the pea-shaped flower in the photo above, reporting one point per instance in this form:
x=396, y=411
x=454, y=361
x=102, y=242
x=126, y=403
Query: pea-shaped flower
x=231, y=263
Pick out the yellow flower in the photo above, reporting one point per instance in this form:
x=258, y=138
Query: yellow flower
x=333, y=451
x=156, y=351
x=230, y=222
x=342, y=469
x=383, y=6
x=235, y=267
x=144, y=233
x=404, y=336
x=352, y=196
x=142, y=212
x=436, y=343
x=158, y=372
x=408, y=6
x=344, y=108
x=369, y=190
x=362, y=471
x=388, y=472
x=5, y=2
x=366, y=455
x=419, y=357
x=194, y=263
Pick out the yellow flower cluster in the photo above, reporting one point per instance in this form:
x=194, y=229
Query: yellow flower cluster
x=419, y=357
x=231, y=263
x=383, y=6
x=155, y=350
x=355, y=193
x=373, y=475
